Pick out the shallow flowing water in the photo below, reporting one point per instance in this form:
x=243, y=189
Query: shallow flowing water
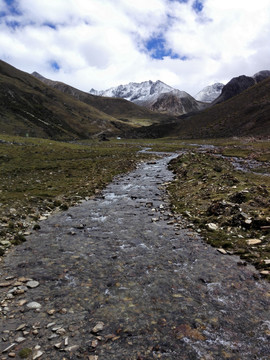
x=123, y=259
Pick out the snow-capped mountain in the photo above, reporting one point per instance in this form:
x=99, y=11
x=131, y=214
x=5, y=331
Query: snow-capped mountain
x=209, y=93
x=136, y=92
x=156, y=96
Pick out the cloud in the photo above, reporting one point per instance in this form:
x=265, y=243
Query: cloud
x=101, y=43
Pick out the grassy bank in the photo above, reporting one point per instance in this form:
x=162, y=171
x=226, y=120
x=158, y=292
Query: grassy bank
x=230, y=208
x=40, y=176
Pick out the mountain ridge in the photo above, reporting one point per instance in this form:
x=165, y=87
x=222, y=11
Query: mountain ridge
x=156, y=96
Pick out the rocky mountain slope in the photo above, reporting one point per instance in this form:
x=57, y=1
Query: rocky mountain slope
x=209, y=93
x=120, y=108
x=156, y=96
x=238, y=84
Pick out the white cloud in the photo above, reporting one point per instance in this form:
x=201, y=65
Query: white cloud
x=101, y=43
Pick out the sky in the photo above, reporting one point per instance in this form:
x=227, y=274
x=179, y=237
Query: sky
x=188, y=44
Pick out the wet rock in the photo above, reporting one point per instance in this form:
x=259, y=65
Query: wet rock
x=222, y=251
x=32, y=284
x=99, y=327
x=20, y=339
x=72, y=348
x=33, y=305
x=37, y=354
x=6, y=284
x=8, y=348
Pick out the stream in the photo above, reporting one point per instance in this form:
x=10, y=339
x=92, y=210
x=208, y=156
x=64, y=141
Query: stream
x=124, y=263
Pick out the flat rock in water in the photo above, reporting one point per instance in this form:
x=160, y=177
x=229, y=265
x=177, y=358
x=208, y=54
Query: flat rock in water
x=32, y=284
x=33, y=305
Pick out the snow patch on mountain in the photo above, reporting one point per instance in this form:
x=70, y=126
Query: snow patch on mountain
x=136, y=92
x=209, y=93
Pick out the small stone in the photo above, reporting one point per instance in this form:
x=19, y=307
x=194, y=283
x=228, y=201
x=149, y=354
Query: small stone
x=99, y=327
x=222, y=251
x=8, y=348
x=35, y=332
x=58, y=345
x=50, y=325
x=10, y=278
x=267, y=262
x=21, y=327
x=33, y=305
x=265, y=272
x=24, y=279
x=66, y=341
x=6, y=284
x=94, y=343
x=61, y=331
x=253, y=241
x=22, y=302
x=212, y=226
x=20, y=339
x=56, y=328
x=63, y=311
x=37, y=354
x=12, y=354
x=93, y=357
x=72, y=348
x=37, y=347
x=51, y=312
x=32, y=284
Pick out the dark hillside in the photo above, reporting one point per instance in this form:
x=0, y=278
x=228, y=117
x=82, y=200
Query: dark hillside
x=29, y=107
x=247, y=114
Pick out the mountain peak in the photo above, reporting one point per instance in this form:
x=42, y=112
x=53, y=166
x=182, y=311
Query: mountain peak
x=209, y=93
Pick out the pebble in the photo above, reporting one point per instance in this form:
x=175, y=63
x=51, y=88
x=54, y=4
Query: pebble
x=8, y=348
x=22, y=302
x=7, y=284
x=33, y=305
x=72, y=348
x=51, y=312
x=32, y=284
x=37, y=354
x=253, y=241
x=20, y=339
x=99, y=327
x=21, y=327
x=212, y=226
x=222, y=251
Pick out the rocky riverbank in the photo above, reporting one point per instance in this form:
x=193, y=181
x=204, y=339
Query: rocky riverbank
x=230, y=208
x=121, y=277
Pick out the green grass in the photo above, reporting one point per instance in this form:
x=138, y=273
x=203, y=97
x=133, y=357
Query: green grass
x=42, y=176
x=39, y=176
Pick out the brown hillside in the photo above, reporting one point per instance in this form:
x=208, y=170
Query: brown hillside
x=29, y=107
x=247, y=114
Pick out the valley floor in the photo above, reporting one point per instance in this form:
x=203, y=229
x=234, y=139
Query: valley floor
x=121, y=277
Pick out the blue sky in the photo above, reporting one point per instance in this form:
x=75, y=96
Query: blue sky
x=188, y=44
